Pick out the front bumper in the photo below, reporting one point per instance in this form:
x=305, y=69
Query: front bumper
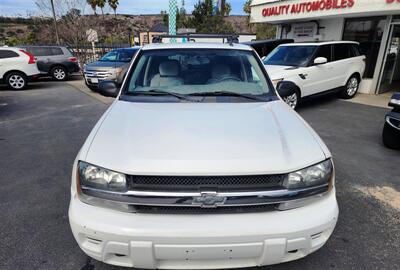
x=202, y=241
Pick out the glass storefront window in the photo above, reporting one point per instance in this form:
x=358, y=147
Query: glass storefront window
x=368, y=32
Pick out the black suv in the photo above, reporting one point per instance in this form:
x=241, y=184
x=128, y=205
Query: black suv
x=55, y=61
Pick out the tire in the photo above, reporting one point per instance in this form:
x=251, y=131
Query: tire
x=59, y=73
x=391, y=137
x=351, y=87
x=17, y=80
x=292, y=99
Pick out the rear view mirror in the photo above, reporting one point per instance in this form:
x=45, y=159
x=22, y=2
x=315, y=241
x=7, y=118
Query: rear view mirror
x=108, y=88
x=395, y=101
x=320, y=61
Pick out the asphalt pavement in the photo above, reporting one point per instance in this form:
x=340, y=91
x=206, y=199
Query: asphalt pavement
x=42, y=129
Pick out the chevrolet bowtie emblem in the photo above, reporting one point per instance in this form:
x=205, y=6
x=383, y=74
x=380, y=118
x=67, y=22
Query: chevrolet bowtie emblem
x=209, y=200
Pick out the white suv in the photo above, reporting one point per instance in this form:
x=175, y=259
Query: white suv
x=199, y=164
x=305, y=69
x=17, y=67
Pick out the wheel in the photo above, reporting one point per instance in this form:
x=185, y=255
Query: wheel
x=16, y=80
x=292, y=100
x=351, y=88
x=59, y=73
x=391, y=137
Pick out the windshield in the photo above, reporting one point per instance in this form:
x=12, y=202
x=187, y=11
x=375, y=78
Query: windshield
x=198, y=72
x=297, y=56
x=119, y=55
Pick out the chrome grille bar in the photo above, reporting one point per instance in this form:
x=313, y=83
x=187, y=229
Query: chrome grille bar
x=205, y=199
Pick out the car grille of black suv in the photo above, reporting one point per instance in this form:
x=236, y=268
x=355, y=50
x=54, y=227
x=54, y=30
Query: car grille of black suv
x=200, y=183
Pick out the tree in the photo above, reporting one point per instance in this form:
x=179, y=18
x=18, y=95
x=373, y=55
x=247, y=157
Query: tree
x=205, y=21
x=263, y=30
x=93, y=5
x=113, y=4
x=101, y=4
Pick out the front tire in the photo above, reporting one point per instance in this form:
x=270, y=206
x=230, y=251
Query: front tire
x=391, y=137
x=59, y=73
x=292, y=100
x=351, y=88
x=17, y=80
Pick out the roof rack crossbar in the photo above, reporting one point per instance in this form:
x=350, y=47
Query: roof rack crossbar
x=229, y=38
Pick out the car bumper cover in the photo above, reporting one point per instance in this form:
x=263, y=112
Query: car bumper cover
x=202, y=241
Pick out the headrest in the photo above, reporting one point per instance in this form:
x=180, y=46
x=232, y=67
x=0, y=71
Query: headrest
x=220, y=70
x=169, y=68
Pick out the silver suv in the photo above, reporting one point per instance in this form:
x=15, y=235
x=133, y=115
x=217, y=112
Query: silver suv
x=55, y=61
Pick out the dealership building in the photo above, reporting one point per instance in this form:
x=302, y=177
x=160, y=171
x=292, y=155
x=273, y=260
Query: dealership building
x=375, y=24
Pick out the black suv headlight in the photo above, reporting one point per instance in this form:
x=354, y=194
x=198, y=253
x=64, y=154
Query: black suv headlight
x=318, y=174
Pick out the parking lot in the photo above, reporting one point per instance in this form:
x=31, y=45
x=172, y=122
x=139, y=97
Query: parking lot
x=42, y=129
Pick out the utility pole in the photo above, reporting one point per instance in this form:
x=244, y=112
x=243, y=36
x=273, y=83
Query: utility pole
x=55, y=22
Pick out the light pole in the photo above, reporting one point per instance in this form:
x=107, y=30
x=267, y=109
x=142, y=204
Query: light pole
x=55, y=22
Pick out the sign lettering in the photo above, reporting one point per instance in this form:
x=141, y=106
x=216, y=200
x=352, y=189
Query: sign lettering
x=310, y=6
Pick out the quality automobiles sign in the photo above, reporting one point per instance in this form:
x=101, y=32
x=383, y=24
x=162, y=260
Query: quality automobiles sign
x=283, y=11
x=310, y=6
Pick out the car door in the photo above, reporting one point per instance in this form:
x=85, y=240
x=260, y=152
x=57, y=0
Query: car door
x=318, y=78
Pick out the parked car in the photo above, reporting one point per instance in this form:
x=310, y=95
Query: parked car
x=17, y=67
x=391, y=129
x=265, y=47
x=307, y=69
x=55, y=61
x=112, y=66
x=199, y=164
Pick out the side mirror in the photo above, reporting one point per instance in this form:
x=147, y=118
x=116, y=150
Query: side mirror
x=108, y=88
x=395, y=101
x=320, y=61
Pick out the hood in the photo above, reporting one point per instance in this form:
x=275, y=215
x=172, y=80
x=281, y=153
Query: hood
x=279, y=72
x=203, y=139
x=104, y=65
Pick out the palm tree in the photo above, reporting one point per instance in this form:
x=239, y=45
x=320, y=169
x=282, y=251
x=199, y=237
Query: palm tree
x=113, y=4
x=93, y=5
x=101, y=4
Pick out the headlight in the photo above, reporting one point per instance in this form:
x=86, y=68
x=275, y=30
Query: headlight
x=99, y=178
x=276, y=81
x=114, y=73
x=315, y=175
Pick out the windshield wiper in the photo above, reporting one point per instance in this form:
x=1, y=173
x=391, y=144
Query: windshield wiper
x=154, y=92
x=228, y=93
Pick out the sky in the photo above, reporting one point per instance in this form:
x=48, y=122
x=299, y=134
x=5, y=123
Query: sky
x=28, y=7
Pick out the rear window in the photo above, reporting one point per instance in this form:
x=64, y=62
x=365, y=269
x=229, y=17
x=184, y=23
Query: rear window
x=343, y=51
x=56, y=51
x=7, y=54
x=45, y=51
x=39, y=51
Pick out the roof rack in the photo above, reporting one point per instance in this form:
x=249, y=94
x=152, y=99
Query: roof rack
x=229, y=38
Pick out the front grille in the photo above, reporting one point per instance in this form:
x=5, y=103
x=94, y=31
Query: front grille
x=96, y=74
x=197, y=210
x=206, y=183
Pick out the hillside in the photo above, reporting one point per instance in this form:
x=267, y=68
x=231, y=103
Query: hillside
x=40, y=31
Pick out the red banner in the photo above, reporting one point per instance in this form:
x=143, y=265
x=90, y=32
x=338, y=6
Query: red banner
x=310, y=6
